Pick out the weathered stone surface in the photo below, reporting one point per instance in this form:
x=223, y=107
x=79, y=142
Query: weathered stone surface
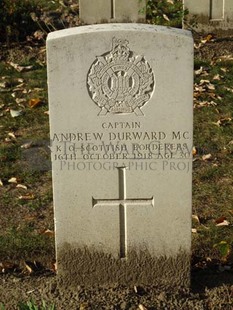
x=130, y=10
x=209, y=15
x=95, y=12
x=105, y=11
x=121, y=130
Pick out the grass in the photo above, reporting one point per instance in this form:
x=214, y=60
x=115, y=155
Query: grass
x=212, y=180
x=30, y=305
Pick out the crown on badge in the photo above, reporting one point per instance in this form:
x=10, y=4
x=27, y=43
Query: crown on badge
x=120, y=82
x=120, y=49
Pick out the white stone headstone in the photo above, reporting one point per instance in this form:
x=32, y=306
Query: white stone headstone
x=120, y=98
x=104, y=11
x=209, y=15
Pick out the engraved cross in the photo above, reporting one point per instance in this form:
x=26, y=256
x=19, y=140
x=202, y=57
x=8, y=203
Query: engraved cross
x=122, y=203
x=112, y=9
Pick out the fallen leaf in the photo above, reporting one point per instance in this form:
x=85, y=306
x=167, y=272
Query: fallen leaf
x=16, y=113
x=220, y=219
x=194, y=230
x=8, y=266
x=194, y=151
x=229, y=89
x=206, y=157
x=226, y=57
x=1, y=184
x=47, y=232
x=197, y=46
x=199, y=71
x=34, y=102
x=141, y=307
x=207, y=38
x=195, y=217
x=54, y=266
x=27, y=145
x=21, y=186
x=19, y=87
x=20, y=68
x=33, y=266
x=166, y=17
x=223, y=121
x=217, y=77
x=20, y=100
x=12, y=180
x=170, y=1
x=202, y=82
x=12, y=135
x=223, y=70
x=46, y=112
x=4, y=84
x=223, y=223
x=211, y=86
x=27, y=197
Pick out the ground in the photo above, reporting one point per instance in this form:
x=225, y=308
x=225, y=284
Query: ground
x=28, y=236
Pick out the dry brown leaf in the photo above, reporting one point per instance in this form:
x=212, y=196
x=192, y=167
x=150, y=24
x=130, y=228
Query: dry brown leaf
x=217, y=77
x=206, y=157
x=21, y=186
x=15, y=113
x=199, y=71
x=27, y=197
x=166, y=17
x=48, y=232
x=224, y=70
x=220, y=219
x=194, y=151
x=20, y=68
x=197, y=46
x=20, y=100
x=223, y=121
x=13, y=180
x=4, y=84
x=229, y=89
x=11, y=135
x=202, y=82
x=207, y=38
x=26, y=145
x=195, y=217
x=211, y=86
x=226, y=57
x=224, y=223
x=7, y=266
x=33, y=266
x=34, y=102
x=54, y=266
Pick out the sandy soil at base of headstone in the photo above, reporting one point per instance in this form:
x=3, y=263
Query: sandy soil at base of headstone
x=22, y=289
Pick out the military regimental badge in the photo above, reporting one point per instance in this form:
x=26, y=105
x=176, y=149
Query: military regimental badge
x=119, y=81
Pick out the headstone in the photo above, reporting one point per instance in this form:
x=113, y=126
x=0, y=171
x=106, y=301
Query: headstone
x=104, y=11
x=210, y=15
x=120, y=100
x=97, y=11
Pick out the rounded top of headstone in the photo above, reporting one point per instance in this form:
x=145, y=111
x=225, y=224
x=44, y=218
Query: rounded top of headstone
x=119, y=27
